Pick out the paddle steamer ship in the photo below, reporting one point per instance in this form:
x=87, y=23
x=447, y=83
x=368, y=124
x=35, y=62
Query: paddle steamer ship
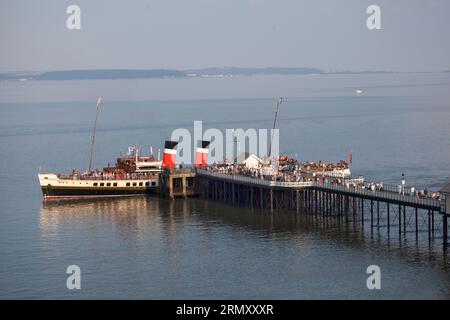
x=132, y=174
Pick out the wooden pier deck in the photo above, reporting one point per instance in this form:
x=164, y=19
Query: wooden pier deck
x=403, y=212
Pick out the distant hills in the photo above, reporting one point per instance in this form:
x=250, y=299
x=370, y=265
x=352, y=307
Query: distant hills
x=96, y=74
x=233, y=71
x=108, y=74
x=152, y=73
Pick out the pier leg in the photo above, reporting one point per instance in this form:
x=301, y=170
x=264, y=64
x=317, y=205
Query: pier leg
x=271, y=200
x=404, y=219
x=339, y=199
x=378, y=214
x=305, y=200
x=291, y=200
x=416, y=222
x=429, y=225
x=225, y=192
x=354, y=208
x=219, y=191
x=232, y=191
x=362, y=213
x=388, y=218
x=347, y=204
x=338, y=205
x=432, y=223
x=297, y=201
x=302, y=201
x=371, y=214
x=399, y=220
x=316, y=200
x=321, y=202
x=323, y=207
x=261, y=199
x=444, y=230
x=329, y=204
x=330, y=207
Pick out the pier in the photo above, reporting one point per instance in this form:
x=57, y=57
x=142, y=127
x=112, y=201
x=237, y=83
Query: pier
x=177, y=183
x=396, y=212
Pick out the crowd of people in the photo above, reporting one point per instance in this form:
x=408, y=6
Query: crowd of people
x=287, y=170
x=286, y=173
x=108, y=175
x=337, y=174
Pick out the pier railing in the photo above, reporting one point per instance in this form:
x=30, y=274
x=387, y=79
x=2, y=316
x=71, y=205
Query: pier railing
x=356, y=190
x=385, y=195
x=256, y=181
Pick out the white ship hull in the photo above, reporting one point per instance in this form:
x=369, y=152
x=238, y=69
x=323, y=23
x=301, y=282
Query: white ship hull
x=54, y=188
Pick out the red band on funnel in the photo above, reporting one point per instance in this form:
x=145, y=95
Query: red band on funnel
x=201, y=154
x=169, y=155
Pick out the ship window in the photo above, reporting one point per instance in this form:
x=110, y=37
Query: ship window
x=141, y=184
x=128, y=184
x=147, y=184
x=108, y=184
x=95, y=184
x=102, y=184
x=134, y=184
x=153, y=183
x=115, y=184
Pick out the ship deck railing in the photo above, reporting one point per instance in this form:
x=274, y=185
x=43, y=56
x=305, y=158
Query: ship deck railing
x=108, y=178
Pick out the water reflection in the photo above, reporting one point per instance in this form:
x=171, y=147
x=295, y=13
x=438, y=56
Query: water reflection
x=286, y=226
x=135, y=217
x=127, y=214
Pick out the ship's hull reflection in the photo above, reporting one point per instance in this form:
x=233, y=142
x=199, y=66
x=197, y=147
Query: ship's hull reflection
x=126, y=213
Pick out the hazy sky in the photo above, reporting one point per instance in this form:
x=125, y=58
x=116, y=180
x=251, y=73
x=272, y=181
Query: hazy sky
x=328, y=34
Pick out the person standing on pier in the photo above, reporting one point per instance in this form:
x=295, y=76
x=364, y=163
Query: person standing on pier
x=403, y=184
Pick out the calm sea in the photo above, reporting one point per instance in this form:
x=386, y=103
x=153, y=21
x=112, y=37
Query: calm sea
x=149, y=248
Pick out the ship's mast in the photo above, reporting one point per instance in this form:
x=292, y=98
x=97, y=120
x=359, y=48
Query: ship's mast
x=274, y=124
x=93, y=135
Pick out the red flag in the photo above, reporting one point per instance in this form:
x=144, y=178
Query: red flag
x=350, y=157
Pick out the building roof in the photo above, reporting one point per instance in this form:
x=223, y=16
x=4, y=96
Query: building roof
x=255, y=157
x=446, y=189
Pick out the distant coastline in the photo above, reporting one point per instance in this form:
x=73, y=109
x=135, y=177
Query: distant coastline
x=98, y=74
